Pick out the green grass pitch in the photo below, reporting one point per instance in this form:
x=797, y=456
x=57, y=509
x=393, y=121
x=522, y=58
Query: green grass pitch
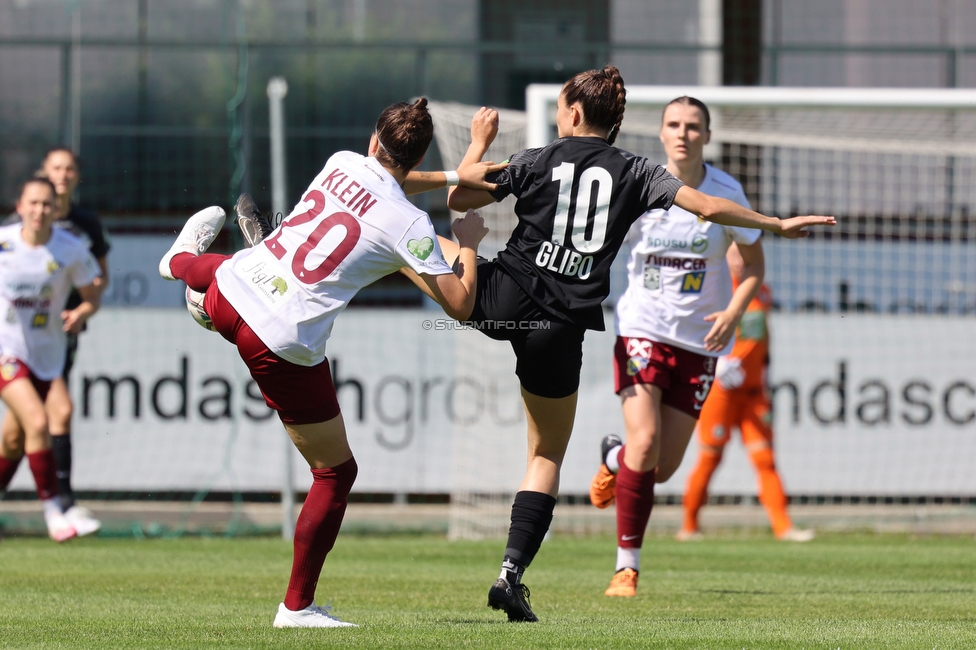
x=840, y=591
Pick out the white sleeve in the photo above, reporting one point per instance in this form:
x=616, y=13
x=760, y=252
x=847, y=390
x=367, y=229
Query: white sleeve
x=420, y=250
x=84, y=269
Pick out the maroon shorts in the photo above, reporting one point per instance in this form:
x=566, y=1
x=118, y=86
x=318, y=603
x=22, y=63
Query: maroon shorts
x=684, y=377
x=300, y=394
x=12, y=368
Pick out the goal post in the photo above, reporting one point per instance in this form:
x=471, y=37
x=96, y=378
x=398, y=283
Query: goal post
x=873, y=393
x=540, y=100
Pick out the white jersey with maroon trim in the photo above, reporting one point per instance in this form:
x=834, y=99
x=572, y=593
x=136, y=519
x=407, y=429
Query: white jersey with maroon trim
x=35, y=282
x=353, y=226
x=677, y=273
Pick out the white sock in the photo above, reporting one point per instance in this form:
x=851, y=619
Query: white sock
x=628, y=558
x=52, y=506
x=613, y=462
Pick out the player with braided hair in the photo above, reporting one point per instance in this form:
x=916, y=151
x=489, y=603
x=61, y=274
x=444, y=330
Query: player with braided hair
x=277, y=301
x=577, y=199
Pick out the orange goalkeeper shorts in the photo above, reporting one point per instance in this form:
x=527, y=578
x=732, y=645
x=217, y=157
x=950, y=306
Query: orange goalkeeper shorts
x=748, y=409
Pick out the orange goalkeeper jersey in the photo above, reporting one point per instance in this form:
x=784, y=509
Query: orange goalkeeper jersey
x=752, y=338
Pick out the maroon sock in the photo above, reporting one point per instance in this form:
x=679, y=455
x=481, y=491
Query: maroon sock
x=316, y=530
x=635, y=498
x=7, y=470
x=196, y=270
x=45, y=476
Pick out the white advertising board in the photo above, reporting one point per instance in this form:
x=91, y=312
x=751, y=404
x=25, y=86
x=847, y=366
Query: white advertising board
x=864, y=405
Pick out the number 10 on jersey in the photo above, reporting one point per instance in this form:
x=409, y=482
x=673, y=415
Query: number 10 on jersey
x=565, y=257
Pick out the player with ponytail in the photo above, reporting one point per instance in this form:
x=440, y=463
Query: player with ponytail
x=577, y=199
x=278, y=299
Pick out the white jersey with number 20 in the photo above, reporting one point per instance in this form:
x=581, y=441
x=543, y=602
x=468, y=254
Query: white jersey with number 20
x=677, y=273
x=353, y=226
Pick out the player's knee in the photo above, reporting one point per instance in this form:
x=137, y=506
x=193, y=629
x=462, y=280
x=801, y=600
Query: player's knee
x=642, y=443
x=60, y=413
x=35, y=427
x=713, y=451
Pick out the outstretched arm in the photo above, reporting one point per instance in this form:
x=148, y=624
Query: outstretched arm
x=728, y=213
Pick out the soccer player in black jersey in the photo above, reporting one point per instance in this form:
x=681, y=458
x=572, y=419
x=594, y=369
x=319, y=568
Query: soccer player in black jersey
x=577, y=198
x=60, y=166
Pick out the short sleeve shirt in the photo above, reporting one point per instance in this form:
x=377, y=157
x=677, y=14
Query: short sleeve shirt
x=85, y=225
x=34, y=285
x=576, y=200
x=677, y=273
x=353, y=226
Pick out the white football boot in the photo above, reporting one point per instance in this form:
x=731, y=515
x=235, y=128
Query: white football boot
x=797, y=535
x=195, y=238
x=58, y=527
x=311, y=616
x=82, y=519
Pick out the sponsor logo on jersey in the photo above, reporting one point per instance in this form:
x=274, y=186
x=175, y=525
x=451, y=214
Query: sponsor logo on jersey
x=699, y=244
x=6, y=246
x=657, y=242
x=9, y=368
x=564, y=261
x=39, y=321
x=421, y=248
x=682, y=263
x=53, y=266
x=30, y=302
x=693, y=282
x=47, y=291
x=278, y=284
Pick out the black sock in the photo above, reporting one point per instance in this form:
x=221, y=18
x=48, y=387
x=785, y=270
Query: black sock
x=61, y=446
x=531, y=516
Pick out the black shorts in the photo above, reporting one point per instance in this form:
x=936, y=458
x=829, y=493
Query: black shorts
x=549, y=352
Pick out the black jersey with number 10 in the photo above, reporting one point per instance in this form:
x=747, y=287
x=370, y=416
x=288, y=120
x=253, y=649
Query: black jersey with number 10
x=577, y=198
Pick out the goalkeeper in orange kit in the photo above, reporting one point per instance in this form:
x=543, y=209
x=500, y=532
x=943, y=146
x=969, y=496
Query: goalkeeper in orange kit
x=740, y=398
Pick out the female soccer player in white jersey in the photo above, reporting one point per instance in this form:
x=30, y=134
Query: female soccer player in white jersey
x=277, y=302
x=60, y=166
x=677, y=316
x=577, y=198
x=39, y=266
